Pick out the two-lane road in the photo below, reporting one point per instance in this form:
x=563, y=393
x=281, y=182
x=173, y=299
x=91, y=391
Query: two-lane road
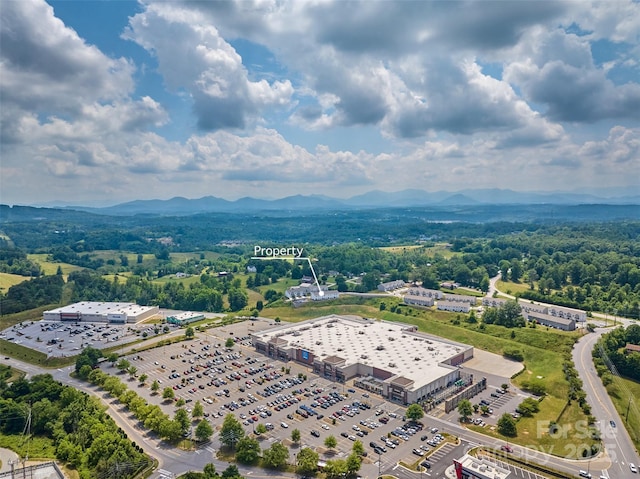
x=616, y=440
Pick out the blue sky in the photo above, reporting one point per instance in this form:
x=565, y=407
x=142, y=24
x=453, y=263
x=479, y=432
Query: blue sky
x=109, y=101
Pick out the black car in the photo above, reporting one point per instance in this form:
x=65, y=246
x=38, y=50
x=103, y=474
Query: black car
x=426, y=464
x=315, y=433
x=344, y=434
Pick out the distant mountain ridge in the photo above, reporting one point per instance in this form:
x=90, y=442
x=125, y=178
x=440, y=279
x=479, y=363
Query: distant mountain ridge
x=373, y=199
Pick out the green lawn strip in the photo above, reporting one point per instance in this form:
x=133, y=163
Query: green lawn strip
x=620, y=391
x=17, y=351
x=36, y=447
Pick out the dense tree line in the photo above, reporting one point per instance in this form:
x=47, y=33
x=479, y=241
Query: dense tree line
x=31, y=294
x=206, y=295
x=15, y=261
x=610, y=351
x=592, y=266
x=85, y=437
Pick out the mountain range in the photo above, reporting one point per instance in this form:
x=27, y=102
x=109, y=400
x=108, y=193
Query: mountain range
x=372, y=199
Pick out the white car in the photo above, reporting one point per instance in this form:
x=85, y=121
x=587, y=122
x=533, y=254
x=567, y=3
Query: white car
x=633, y=468
x=325, y=427
x=284, y=425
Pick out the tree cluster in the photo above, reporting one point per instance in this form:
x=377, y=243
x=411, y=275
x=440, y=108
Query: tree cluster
x=509, y=315
x=85, y=437
x=610, y=351
x=15, y=261
x=39, y=291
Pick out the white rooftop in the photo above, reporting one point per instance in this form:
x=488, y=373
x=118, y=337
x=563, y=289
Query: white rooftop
x=389, y=346
x=483, y=468
x=102, y=308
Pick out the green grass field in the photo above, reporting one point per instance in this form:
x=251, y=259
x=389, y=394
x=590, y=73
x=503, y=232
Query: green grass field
x=512, y=288
x=171, y=278
x=625, y=393
x=50, y=267
x=281, y=286
x=7, y=280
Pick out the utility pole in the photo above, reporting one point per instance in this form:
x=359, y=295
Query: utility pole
x=626, y=416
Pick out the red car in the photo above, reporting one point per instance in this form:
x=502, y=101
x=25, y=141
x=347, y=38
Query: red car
x=506, y=448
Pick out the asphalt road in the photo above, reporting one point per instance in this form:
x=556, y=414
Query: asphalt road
x=618, y=445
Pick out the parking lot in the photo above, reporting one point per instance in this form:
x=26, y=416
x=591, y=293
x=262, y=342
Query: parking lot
x=498, y=401
x=60, y=339
x=282, y=396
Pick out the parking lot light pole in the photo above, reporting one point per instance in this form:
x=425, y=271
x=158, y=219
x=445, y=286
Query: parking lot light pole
x=379, y=464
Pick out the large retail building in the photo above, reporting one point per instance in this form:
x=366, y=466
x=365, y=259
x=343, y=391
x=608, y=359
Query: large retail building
x=101, y=312
x=403, y=364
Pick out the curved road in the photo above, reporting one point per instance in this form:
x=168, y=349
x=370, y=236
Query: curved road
x=619, y=448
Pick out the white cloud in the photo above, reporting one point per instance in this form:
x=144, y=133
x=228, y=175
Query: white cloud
x=473, y=94
x=47, y=67
x=192, y=56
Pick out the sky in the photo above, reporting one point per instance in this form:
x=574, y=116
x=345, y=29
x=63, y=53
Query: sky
x=103, y=102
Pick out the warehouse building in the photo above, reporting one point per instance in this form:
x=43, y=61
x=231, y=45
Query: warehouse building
x=184, y=318
x=407, y=366
x=101, y=312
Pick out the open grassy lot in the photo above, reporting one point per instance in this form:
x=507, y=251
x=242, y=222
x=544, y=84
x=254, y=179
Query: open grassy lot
x=50, y=267
x=7, y=280
x=625, y=393
x=512, y=288
x=281, y=286
x=122, y=277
